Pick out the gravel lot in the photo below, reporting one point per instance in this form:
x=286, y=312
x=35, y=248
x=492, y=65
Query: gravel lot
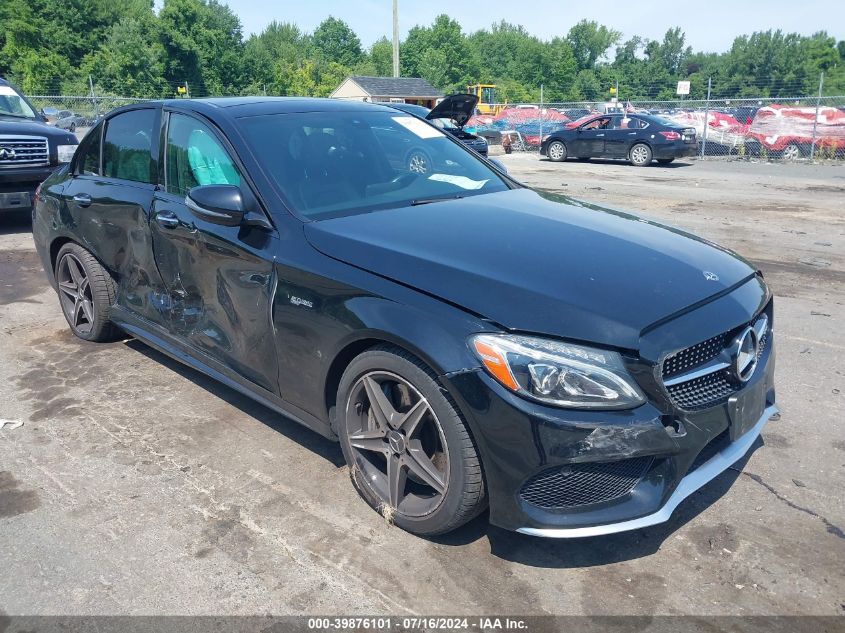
x=138, y=486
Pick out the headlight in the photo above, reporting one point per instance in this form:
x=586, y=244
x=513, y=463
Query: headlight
x=65, y=152
x=557, y=373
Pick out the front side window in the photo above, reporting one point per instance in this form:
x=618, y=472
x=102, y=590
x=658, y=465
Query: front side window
x=597, y=124
x=88, y=163
x=331, y=164
x=195, y=157
x=126, y=150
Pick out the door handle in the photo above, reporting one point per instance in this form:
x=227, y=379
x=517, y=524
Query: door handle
x=167, y=220
x=632, y=133
x=599, y=134
x=82, y=199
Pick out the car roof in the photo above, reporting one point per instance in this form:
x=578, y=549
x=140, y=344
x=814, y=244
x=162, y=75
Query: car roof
x=237, y=107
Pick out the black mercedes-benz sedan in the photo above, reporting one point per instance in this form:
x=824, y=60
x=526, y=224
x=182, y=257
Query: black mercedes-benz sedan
x=471, y=343
x=637, y=138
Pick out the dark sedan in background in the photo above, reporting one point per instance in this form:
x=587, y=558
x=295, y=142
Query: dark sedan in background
x=468, y=341
x=637, y=138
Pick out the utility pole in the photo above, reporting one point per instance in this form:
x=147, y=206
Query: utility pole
x=395, y=38
x=93, y=98
x=706, y=116
x=816, y=119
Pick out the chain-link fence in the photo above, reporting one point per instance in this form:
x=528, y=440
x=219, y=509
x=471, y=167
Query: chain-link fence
x=763, y=128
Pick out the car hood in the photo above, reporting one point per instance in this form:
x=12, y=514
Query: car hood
x=28, y=127
x=534, y=264
x=458, y=107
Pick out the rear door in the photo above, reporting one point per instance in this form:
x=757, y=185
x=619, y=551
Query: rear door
x=621, y=134
x=110, y=197
x=219, y=278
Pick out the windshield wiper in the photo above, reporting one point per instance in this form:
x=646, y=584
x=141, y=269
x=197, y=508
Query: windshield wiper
x=415, y=203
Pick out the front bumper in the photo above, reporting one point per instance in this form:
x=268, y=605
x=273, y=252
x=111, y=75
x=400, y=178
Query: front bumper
x=17, y=187
x=702, y=475
x=522, y=442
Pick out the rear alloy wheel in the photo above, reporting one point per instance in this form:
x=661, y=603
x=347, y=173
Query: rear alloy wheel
x=640, y=155
x=791, y=152
x=86, y=293
x=409, y=453
x=418, y=162
x=556, y=151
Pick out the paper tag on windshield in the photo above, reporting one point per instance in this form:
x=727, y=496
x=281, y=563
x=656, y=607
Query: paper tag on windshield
x=418, y=127
x=7, y=91
x=459, y=181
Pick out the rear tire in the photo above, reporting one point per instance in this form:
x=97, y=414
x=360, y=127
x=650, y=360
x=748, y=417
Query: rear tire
x=640, y=155
x=438, y=442
x=791, y=152
x=86, y=294
x=556, y=151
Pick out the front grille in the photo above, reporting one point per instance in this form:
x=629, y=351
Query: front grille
x=701, y=392
x=694, y=356
x=688, y=388
x=714, y=446
x=24, y=151
x=584, y=484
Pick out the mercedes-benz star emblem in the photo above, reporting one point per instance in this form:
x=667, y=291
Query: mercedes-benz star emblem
x=710, y=276
x=6, y=153
x=744, y=357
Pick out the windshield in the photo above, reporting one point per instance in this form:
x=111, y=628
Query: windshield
x=13, y=104
x=332, y=164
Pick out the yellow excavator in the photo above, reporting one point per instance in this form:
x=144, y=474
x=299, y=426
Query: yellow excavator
x=486, y=94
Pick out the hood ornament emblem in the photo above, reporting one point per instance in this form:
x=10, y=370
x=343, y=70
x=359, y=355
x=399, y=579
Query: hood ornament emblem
x=710, y=276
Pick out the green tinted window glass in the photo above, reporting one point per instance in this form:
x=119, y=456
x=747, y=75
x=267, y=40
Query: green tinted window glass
x=89, y=158
x=195, y=157
x=126, y=151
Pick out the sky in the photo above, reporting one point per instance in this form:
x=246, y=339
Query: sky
x=710, y=25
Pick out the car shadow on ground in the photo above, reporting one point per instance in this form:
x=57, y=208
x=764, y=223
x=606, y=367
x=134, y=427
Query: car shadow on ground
x=594, y=551
x=15, y=222
x=325, y=448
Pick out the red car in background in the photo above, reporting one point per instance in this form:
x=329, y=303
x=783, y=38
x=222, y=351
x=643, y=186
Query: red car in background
x=787, y=131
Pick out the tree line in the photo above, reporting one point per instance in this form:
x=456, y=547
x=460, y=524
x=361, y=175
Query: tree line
x=127, y=49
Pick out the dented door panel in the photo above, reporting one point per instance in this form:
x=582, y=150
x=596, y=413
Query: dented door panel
x=217, y=286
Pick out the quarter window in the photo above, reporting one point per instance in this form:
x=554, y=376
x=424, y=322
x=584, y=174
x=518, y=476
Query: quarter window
x=126, y=151
x=89, y=156
x=195, y=157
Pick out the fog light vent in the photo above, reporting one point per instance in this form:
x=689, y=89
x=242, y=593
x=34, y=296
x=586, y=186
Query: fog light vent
x=584, y=484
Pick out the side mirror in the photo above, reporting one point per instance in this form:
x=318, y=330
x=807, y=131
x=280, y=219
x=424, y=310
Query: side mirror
x=499, y=165
x=218, y=204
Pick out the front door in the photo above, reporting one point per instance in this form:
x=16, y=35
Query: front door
x=220, y=278
x=590, y=138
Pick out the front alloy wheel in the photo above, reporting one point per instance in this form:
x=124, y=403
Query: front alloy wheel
x=409, y=453
x=791, y=152
x=557, y=151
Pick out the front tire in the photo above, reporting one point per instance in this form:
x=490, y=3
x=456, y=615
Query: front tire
x=640, y=155
x=791, y=152
x=86, y=294
x=556, y=151
x=408, y=449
